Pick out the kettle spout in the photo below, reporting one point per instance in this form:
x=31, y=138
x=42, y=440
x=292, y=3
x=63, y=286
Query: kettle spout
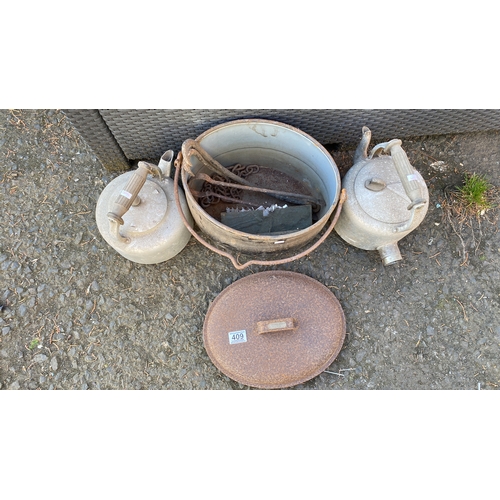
x=166, y=162
x=390, y=253
x=362, y=149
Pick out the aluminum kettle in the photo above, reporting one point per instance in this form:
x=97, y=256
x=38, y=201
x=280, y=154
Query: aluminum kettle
x=386, y=199
x=138, y=216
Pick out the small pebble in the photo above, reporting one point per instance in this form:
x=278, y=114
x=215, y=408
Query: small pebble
x=78, y=238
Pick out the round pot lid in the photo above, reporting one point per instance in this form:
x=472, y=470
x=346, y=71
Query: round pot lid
x=274, y=329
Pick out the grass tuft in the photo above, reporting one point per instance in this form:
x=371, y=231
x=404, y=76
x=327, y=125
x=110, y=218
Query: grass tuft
x=474, y=193
x=34, y=343
x=467, y=207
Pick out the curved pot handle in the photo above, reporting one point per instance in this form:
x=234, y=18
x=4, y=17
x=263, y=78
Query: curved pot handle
x=236, y=264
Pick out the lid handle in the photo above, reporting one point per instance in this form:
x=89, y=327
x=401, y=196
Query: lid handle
x=276, y=325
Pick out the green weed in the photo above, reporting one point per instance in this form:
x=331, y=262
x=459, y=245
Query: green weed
x=34, y=343
x=474, y=193
x=467, y=207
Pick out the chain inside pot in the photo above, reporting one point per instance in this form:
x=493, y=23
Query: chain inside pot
x=211, y=194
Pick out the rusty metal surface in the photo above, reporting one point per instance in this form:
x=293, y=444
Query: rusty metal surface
x=215, y=185
x=274, y=329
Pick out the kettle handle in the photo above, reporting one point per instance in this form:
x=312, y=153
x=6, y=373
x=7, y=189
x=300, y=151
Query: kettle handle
x=405, y=171
x=236, y=264
x=128, y=197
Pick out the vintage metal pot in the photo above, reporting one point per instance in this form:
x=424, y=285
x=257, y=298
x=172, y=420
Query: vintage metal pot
x=138, y=216
x=386, y=199
x=277, y=146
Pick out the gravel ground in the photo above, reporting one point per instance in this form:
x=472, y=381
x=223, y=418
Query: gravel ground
x=76, y=315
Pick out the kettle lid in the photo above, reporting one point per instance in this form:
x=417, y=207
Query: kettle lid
x=149, y=212
x=380, y=193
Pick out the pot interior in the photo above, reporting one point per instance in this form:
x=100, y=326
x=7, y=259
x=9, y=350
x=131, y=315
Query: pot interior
x=276, y=146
